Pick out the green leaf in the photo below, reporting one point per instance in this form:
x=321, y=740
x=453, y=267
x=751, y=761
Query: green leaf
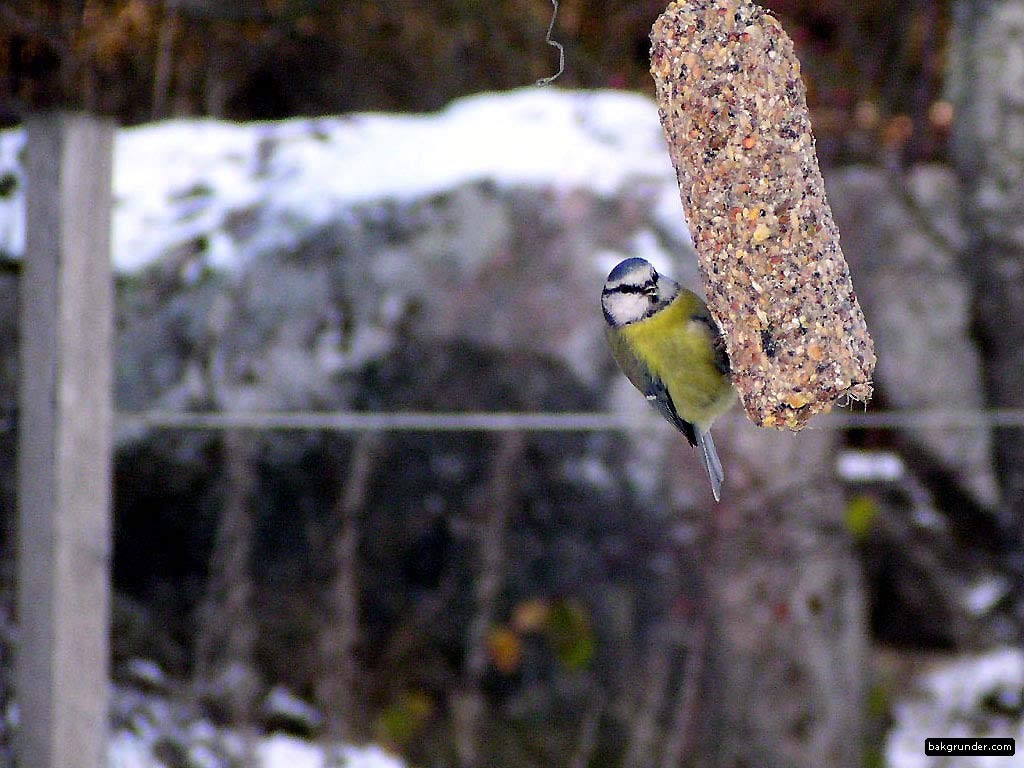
x=570, y=634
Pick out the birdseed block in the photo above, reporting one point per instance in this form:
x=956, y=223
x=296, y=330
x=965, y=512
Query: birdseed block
x=734, y=110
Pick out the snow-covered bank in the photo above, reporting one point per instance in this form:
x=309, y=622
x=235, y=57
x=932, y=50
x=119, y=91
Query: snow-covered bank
x=971, y=696
x=278, y=751
x=158, y=727
x=246, y=188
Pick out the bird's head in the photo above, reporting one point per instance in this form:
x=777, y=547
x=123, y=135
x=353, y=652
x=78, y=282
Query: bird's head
x=634, y=291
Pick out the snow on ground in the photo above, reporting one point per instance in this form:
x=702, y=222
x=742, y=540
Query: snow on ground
x=155, y=726
x=130, y=751
x=244, y=188
x=288, y=752
x=976, y=696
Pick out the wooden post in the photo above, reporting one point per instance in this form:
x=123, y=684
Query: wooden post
x=64, y=447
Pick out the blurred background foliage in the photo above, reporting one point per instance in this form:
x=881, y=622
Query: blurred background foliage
x=873, y=69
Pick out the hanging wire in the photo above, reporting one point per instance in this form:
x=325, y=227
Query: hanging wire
x=535, y=422
x=561, y=49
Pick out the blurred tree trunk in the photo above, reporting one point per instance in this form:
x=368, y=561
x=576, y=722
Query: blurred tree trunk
x=164, y=66
x=784, y=670
x=986, y=85
x=336, y=688
x=226, y=634
x=652, y=691
x=489, y=514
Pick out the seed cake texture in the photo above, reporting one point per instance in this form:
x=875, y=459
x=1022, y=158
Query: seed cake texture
x=734, y=110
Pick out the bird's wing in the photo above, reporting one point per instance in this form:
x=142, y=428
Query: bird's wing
x=653, y=388
x=657, y=394
x=717, y=340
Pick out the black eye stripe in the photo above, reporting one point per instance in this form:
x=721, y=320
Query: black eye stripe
x=631, y=288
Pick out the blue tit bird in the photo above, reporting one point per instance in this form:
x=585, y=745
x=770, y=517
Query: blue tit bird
x=671, y=349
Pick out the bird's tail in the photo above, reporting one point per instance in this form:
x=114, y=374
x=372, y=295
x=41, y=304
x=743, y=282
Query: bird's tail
x=711, y=460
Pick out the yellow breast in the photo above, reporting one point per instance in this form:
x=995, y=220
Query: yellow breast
x=678, y=350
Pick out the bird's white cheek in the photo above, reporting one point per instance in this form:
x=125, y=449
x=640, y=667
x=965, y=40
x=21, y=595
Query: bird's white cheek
x=635, y=306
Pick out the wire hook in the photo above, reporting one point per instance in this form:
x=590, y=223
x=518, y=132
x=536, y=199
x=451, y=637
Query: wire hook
x=561, y=49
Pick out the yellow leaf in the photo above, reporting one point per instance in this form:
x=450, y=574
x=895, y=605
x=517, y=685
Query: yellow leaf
x=506, y=649
x=531, y=615
x=861, y=513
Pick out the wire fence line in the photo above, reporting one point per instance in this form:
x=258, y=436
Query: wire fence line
x=494, y=421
